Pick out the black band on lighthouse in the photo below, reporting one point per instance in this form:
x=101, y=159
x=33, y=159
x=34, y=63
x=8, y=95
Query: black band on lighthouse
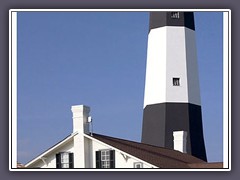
x=161, y=120
x=160, y=19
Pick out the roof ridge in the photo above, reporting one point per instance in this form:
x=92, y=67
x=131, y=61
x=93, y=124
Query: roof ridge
x=132, y=141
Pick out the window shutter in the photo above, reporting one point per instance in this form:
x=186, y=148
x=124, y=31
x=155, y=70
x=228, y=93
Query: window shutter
x=71, y=160
x=98, y=159
x=58, y=161
x=112, y=159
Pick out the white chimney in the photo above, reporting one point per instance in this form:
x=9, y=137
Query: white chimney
x=80, y=125
x=80, y=118
x=180, y=141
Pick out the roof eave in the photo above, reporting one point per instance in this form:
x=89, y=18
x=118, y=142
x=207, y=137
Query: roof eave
x=51, y=149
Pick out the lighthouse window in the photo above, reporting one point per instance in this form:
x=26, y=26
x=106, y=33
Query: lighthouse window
x=175, y=15
x=176, y=81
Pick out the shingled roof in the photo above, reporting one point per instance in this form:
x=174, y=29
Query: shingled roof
x=158, y=156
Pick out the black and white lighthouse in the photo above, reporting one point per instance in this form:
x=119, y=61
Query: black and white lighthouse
x=172, y=115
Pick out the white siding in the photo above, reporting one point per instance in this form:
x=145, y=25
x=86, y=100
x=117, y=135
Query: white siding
x=88, y=153
x=50, y=158
x=122, y=159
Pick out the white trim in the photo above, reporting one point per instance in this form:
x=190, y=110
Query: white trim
x=124, y=169
x=13, y=89
x=227, y=90
x=51, y=149
x=44, y=160
x=12, y=102
x=121, y=10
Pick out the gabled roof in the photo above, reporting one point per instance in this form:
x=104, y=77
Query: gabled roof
x=158, y=156
x=49, y=150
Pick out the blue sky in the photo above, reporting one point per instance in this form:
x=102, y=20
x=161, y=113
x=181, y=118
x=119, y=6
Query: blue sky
x=98, y=59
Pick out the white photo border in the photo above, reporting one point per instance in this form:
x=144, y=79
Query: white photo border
x=13, y=86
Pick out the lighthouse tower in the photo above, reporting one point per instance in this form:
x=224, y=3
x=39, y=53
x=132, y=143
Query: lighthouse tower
x=172, y=115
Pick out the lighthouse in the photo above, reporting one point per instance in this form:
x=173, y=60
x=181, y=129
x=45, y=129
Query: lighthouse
x=172, y=115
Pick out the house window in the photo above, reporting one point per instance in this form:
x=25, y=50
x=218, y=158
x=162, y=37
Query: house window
x=175, y=15
x=176, y=81
x=105, y=158
x=64, y=160
x=137, y=165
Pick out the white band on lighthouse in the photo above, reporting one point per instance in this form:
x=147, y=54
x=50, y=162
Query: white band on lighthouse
x=171, y=54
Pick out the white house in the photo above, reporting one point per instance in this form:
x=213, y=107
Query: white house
x=82, y=149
